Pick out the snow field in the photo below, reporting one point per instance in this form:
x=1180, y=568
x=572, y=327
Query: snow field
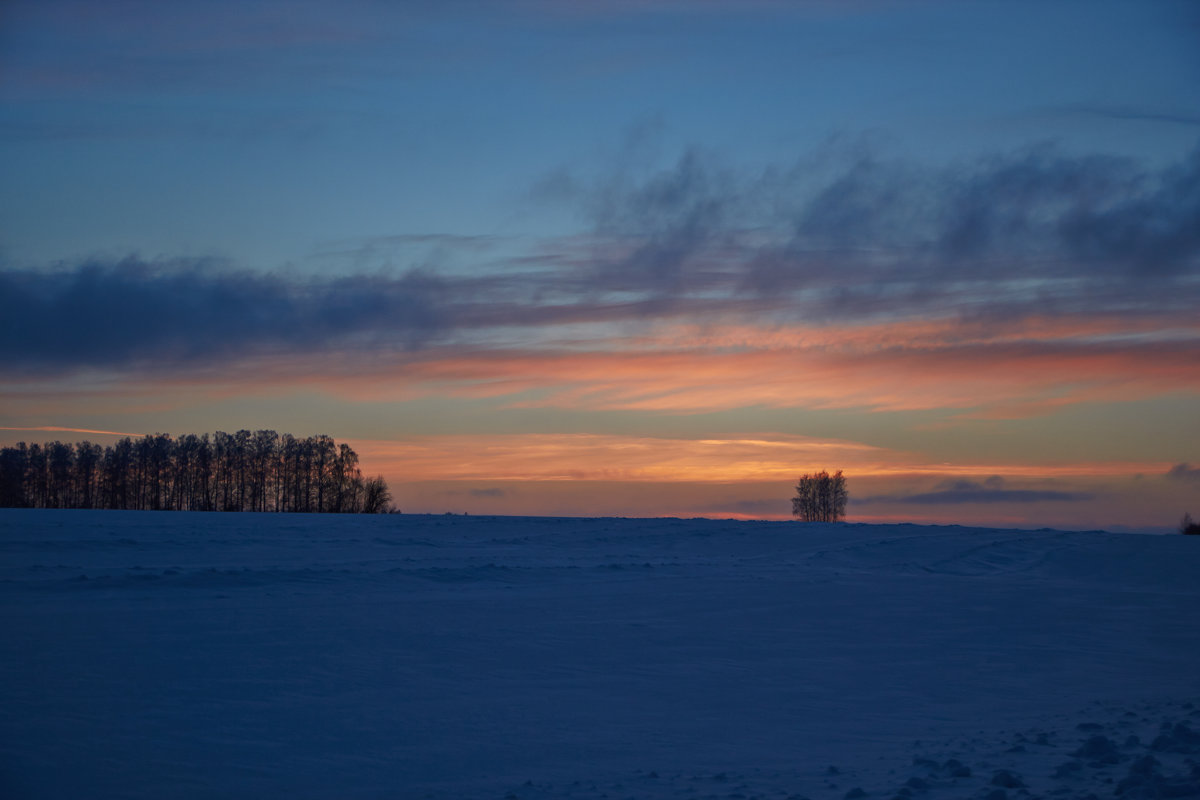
x=245, y=655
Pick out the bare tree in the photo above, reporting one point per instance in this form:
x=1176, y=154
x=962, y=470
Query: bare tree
x=376, y=496
x=87, y=467
x=13, y=487
x=820, y=497
x=60, y=465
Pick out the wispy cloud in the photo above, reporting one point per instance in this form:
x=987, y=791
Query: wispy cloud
x=858, y=230
x=61, y=429
x=1130, y=113
x=134, y=44
x=745, y=458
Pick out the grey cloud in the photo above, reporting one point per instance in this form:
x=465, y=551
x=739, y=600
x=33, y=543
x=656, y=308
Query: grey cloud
x=488, y=493
x=1184, y=472
x=1044, y=213
x=403, y=251
x=957, y=497
x=870, y=203
x=1130, y=113
x=120, y=313
x=1156, y=228
x=175, y=313
x=992, y=490
x=1016, y=204
x=751, y=507
x=669, y=220
x=1033, y=231
x=89, y=54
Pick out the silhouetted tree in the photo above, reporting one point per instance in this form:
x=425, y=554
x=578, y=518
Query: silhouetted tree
x=13, y=466
x=820, y=497
x=86, y=479
x=264, y=452
x=115, y=474
x=245, y=471
x=375, y=496
x=345, y=469
x=60, y=467
x=1188, y=527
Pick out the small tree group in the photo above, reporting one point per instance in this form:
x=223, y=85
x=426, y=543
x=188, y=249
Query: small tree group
x=1189, y=527
x=820, y=497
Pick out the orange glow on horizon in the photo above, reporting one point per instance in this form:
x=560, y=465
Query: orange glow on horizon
x=1007, y=379
x=599, y=457
x=975, y=376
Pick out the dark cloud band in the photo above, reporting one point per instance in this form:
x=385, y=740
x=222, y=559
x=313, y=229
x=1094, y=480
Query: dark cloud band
x=992, y=490
x=105, y=314
x=1007, y=238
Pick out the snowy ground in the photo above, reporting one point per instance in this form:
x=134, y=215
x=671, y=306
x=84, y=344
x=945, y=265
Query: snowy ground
x=235, y=656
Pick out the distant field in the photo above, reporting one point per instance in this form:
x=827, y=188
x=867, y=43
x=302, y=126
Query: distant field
x=189, y=655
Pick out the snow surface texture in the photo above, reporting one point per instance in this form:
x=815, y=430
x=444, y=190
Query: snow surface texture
x=197, y=655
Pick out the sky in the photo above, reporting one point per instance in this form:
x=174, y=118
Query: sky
x=634, y=258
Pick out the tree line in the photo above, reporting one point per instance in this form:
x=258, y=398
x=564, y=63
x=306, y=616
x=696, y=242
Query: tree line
x=243, y=471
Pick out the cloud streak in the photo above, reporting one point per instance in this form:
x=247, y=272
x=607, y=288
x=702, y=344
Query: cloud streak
x=669, y=367
x=61, y=429
x=596, y=457
x=744, y=458
x=966, y=492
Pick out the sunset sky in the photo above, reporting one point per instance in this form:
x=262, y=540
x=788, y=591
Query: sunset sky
x=636, y=258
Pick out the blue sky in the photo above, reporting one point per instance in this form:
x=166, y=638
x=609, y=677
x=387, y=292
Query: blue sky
x=394, y=222
x=261, y=132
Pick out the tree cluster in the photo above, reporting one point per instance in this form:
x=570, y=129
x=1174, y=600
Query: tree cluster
x=1187, y=526
x=243, y=471
x=820, y=497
